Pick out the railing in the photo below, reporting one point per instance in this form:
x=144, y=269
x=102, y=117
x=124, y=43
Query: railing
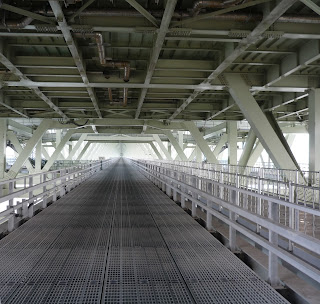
x=275, y=222
x=59, y=164
x=307, y=177
x=24, y=193
x=284, y=184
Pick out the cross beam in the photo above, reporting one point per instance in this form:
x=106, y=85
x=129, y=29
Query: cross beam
x=15, y=71
x=73, y=48
x=243, y=45
x=166, y=19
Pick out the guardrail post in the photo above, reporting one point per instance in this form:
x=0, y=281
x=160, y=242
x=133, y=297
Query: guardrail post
x=163, y=178
x=30, y=210
x=11, y=222
x=31, y=192
x=233, y=217
x=24, y=208
x=168, y=188
x=273, y=276
x=44, y=189
x=10, y=191
x=195, y=184
x=182, y=198
x=221, y=187
x=175, y=193
x=63, y=183
x=54, y=194
x=209, y=218
x=259, y=203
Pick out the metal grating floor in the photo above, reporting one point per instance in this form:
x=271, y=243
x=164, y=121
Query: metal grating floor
x=118, y=239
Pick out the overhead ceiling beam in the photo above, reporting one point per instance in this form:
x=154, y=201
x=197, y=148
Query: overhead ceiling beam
x=311, y=5
x=73, y=48
x=143, y=12
x=19, y=128
x=213, y=131
x=155, y=124
x=291, y=100
x=244, y=44
x=9, y=107
x=23, y=12
x=82, y=8
x=119, y=138
x=200, y=88
x=307, y=54
x=219, y=12
x=15, y=71
x=157, y=47
x=220, y=112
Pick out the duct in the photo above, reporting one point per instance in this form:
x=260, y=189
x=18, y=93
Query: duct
x=17, y=24
x=102, y=57
x=199, y=5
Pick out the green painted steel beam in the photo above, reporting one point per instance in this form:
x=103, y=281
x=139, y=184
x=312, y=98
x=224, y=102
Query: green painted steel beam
x=23, y=12
x=219, y=12
x=143, y=12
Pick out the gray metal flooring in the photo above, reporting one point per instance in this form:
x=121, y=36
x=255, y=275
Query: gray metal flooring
x=118, y=239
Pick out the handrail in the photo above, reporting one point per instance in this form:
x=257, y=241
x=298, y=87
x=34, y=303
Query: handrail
x=2, y=182
x=303, y=194
x=275, y=173
x=229, y=203
x=58, y=185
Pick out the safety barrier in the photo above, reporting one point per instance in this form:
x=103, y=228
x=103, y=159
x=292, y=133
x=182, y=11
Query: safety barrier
x=270, y=221
x=25, y=192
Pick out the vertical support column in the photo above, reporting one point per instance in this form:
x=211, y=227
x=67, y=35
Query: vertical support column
x=38, y=156
x=170, y=149
x=314, y=130
x=232, y=142
x=180, y=139
x=58, y=140
x=3, y=145
x=198, y=154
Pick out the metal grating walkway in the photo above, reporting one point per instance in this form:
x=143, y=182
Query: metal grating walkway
x=118, y=239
